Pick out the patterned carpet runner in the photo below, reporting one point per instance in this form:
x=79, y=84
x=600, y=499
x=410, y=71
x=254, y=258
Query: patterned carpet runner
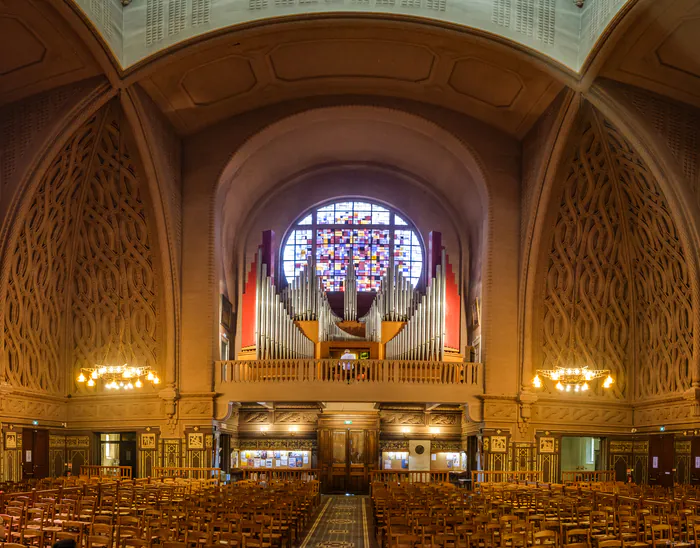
x=342, y=522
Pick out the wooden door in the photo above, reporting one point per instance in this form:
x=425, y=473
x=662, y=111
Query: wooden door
x=127, y=455
x=347, y=454
x=35, y=453
x=695, y=461
x=661, y=454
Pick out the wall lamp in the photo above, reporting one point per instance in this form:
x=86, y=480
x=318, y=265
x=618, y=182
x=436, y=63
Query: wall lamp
x=405, y=431
x=264, y=429
x=293, y=430
x=434, y=431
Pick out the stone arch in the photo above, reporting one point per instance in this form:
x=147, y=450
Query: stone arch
x=349, y=135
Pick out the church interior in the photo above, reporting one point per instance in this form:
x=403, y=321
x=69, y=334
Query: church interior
x=339, y=261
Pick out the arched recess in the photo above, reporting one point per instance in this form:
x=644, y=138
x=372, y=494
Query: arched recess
x=372, y=136
x=612, y=284
x=67, y=267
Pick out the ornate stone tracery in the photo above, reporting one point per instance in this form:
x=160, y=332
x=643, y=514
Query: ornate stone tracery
x=617, y=268
x=61, y=292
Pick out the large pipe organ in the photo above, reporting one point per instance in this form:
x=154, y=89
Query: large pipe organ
x=298, y=320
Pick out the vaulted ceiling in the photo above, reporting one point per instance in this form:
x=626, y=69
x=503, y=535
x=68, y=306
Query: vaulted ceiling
x=563, y=30
x=500, y=79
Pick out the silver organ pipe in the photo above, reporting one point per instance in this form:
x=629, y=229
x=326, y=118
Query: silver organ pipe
x=350, y=294
x=423, y=336
x=277, y=336
x=301, y=296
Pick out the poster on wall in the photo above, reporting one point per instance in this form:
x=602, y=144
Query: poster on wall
x=10, y=440
x=387, y=464
x=499, y=444
x=306, y=458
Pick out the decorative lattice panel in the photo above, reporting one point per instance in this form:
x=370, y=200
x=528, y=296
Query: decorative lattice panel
x=114, y=262
x=587, y=293
x=177, y=16
x=525, y=17
x=155, y=21
x=677, y=124
x=201, y=12
x=617, y=284
x=545, y=21
x=500, y=14
x=38, y=270
x=60, y=299
x=663, y=302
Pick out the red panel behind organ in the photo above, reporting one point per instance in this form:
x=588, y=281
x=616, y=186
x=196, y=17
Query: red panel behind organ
x=248, y=308
x=453, y=309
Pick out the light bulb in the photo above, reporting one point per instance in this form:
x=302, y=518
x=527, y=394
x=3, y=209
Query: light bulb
x=91, y=383
x=536, y=382
x=130, y=386
x=94, y=374
x=577, y=388
x=568, y=388
x=156, y=380
x=560, y=386
x=150, y=376
x=81, y=378
x=585, y=386
x=138, y=384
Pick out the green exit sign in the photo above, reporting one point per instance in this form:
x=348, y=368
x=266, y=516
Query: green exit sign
x=348, y=422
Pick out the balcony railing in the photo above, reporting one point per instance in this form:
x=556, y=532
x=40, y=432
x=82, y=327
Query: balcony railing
x=349, y=380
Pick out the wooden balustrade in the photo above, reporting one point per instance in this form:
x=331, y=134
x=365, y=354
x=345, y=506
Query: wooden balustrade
x=187, y=473
x=95, y=471
x=287, y=474
x=587, y=476
x=498, y=476
x=364, y=371
x=411, y=476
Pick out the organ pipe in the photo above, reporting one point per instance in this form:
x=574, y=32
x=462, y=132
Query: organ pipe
x=276, y=335
x=423, y=336
x=350, y=294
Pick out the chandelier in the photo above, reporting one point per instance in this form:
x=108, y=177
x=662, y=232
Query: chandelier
x=118, y=377
x=573, y=379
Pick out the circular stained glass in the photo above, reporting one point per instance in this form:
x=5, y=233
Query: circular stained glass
x=374, y=235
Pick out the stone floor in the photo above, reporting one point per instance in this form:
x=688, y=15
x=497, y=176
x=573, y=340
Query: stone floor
x=341, y=522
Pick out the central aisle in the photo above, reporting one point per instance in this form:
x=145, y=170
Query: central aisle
x=342, y=522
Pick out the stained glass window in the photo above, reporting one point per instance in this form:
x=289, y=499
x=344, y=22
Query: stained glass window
x=374, y=235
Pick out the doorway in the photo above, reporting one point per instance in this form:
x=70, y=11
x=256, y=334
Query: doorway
x=348, y=453
x=118, y=449
x=580, y=454
x=348, y=471
x=661, y=455
x=35, y=453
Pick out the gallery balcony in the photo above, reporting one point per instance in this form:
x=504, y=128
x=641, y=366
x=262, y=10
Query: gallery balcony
x=364, y=380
